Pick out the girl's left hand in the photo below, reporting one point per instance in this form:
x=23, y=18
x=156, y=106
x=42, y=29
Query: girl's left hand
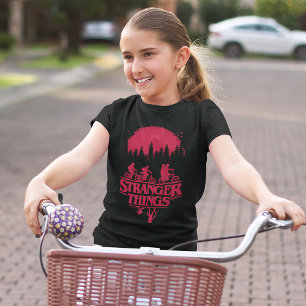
x=282, y=209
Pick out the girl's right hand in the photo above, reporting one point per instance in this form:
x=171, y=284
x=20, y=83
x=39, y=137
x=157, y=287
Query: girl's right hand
x=36, y=193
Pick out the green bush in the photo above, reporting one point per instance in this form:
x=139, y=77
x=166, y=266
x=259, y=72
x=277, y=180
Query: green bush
x=6, y=41
x=212, y=11
x=287, y=12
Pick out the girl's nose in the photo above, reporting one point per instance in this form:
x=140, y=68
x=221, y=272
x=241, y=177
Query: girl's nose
x=137, y=66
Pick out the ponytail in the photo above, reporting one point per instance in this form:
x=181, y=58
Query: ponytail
x=192, y=82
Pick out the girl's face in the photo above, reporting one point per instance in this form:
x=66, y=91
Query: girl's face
x=150, y=65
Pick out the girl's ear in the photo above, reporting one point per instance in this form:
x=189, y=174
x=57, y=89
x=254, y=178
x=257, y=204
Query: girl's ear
x=182, y=57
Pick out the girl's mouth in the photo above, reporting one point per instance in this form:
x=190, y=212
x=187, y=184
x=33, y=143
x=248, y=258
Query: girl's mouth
x=143, y=80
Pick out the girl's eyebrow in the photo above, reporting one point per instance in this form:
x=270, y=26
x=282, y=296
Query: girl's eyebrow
x=142, y=50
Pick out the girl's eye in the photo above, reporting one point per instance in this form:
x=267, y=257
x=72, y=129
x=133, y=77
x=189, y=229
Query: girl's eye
x=148, y=54
x=127, y=57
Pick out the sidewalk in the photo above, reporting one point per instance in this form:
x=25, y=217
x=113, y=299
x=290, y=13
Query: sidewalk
x=49, y=80
x=33, y=133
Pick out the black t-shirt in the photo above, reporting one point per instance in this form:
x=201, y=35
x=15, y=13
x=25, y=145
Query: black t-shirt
x=156, y=171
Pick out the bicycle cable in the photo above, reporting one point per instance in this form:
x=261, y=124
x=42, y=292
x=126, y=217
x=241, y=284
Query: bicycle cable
x=217, y=239
x=44, y=228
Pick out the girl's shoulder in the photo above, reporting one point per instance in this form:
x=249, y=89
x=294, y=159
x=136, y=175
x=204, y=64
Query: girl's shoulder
x=207, y=111
x=208, y=104
x=204, y=105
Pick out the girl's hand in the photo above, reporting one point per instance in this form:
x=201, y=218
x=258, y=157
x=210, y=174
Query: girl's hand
x=282, y=209
x=36, y=193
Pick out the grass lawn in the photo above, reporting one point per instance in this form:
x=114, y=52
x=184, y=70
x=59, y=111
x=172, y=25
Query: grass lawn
x=13, y=79
x=89, y=52
x=3, y=83
x=95, y=47
x=53, y=62
x=3, y=55
x=39, y=46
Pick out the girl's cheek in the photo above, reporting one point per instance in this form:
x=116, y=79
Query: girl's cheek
x=127, y=70
x=128, y=74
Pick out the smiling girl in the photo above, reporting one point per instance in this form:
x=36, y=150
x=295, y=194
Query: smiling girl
x=171, y=121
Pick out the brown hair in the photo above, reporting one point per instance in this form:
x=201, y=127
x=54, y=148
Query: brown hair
x=192, y=82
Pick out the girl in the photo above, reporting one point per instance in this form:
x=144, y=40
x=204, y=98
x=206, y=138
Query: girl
x=171, y=121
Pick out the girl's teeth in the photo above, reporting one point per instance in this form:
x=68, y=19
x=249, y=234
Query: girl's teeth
x=144, y=80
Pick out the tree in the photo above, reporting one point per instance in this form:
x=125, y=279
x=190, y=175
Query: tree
x=4, y=15
x=150, y=155
x=212, y=11
x=184, y=12
x=69, y=16
x=167, y=153
x=119, y=8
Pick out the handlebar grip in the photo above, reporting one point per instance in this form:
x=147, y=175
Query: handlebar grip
x=47, y=207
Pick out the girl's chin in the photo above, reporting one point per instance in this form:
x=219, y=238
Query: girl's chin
x=143, y=92
x=145, y=97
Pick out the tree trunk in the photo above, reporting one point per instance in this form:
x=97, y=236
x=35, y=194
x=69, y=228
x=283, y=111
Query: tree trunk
x=30, y=24
x=16, y=20
x=74, y=39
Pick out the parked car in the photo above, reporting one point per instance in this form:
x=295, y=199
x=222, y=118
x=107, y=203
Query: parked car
x=102, y=30
x=253, y=34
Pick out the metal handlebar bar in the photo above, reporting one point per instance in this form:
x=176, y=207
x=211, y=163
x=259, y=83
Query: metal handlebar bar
x=263, y=221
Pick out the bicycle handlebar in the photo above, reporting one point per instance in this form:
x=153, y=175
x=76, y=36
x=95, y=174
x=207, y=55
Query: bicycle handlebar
x=263, y=221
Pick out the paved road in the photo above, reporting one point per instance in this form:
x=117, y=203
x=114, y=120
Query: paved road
x=266, y=109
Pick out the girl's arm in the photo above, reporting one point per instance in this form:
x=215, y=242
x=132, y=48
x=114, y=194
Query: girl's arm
x=64, y=171
x=242, y=177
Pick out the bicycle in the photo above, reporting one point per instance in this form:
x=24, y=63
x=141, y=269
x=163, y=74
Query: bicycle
x=94, y=275
x=170, y=177
x=145, y=177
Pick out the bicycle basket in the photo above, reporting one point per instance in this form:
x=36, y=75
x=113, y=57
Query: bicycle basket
x=88, y=278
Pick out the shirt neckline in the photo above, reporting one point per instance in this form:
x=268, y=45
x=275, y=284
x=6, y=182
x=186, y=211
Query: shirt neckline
x=158, y=108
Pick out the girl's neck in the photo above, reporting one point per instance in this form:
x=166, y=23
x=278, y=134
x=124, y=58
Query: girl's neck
x=162, y=101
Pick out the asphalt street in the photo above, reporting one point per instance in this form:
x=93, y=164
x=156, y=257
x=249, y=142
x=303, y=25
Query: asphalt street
x=264, y=102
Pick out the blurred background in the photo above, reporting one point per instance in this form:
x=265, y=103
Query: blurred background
x=61, y=34
x=66, y=25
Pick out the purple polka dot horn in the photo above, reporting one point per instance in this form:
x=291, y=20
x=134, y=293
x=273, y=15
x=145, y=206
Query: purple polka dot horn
x=65, y=222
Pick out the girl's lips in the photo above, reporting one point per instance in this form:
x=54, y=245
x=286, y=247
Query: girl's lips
x=143, y=80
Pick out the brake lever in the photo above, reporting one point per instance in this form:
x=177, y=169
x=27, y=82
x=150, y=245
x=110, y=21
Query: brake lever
x=282, y=224
x=45, y=208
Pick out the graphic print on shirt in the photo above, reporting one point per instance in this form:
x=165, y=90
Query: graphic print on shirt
x=153, y=184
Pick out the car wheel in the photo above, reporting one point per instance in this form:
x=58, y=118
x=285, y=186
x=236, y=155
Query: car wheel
x=300, y=53
x=233, y=50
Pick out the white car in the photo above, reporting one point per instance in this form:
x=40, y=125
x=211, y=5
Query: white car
x=106, y=30
x=253, y=34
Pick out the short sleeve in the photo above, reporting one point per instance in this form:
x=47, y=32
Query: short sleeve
x=104, y=117
x=213, y=122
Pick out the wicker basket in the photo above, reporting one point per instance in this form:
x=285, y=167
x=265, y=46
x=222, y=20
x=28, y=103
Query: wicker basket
x=87, y=278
